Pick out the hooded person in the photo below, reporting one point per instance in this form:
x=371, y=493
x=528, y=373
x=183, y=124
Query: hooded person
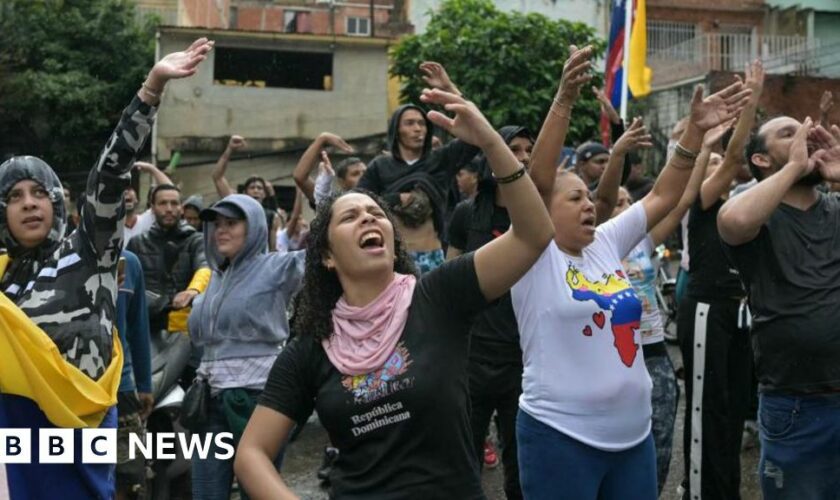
x=410, y=153
x=59, y=360
x=239, y=322
x=192, y=208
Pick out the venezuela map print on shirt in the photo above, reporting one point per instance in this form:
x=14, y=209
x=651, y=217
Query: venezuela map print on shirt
x=615, y=297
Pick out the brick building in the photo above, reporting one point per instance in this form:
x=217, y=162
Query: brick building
x=697, y=41
x=281, y=73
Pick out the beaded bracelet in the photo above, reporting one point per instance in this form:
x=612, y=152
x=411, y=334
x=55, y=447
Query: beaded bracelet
x=512, y=177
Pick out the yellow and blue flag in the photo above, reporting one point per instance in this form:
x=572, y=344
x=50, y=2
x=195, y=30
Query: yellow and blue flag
x=39, y=389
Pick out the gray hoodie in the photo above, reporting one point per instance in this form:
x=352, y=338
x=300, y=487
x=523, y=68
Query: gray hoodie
x=243, y=311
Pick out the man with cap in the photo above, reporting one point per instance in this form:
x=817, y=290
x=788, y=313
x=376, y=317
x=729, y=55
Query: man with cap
x=592, y=158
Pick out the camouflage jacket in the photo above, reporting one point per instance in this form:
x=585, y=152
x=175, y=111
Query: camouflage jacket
x=72, y=293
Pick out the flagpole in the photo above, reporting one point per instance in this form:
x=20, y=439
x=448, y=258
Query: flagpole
x=625, y=67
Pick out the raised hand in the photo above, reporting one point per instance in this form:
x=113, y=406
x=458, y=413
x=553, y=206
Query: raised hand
x=827, y=158
x=469, y=124
x=606, y=105
x=635, y=137
x=575, y=73
x=180, y=64
x=325, y=165
x=144, y=167
x=754, y=79
x=435, y=76
x=719, y=107
x=335, y=141
x=798, y=155
x=714, y=135
x=236, y=143
x=826, y=102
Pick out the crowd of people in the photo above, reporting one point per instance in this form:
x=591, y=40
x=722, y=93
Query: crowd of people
x=441, y=284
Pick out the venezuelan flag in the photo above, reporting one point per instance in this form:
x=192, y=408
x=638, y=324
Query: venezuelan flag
x=634, y=61
x=39, y=389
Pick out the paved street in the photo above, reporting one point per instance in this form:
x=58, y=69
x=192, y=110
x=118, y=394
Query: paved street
x=304, y=457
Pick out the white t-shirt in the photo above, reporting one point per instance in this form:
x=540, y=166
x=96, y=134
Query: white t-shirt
x=641, y=268
x=286, y=244
x=141, y=225
x=578, y=321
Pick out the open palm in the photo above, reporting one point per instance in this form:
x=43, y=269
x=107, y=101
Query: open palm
x=719, y=107
x=184, y=63
x=469, y=124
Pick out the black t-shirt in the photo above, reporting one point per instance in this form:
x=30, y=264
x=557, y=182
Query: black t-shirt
x=402, y=431
x=712, y=276
x=494, y=335
x=792, y=272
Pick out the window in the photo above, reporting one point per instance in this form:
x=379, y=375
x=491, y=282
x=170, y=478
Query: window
x=296, y=21
x=666, y=34
x=359, y=26
x=273, y=68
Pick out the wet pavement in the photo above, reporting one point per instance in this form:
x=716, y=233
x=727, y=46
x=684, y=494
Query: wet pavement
x=305, y=454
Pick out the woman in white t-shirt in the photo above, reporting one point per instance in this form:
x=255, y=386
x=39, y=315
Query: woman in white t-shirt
x=583, y=428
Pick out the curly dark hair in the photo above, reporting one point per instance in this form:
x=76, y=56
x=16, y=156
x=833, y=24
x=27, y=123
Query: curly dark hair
x=321, y=288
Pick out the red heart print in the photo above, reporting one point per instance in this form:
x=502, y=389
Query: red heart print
x=587, y=331
x=621, y=274
x=599, y=319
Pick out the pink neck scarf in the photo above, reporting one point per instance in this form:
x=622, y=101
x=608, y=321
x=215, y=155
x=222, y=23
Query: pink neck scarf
x=365, y=337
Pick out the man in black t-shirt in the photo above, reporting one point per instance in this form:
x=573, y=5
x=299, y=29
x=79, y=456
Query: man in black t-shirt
x=782, y=235
x=495, y=356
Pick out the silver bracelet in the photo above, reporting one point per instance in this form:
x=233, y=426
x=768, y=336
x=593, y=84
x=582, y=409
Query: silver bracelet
x=685, y=153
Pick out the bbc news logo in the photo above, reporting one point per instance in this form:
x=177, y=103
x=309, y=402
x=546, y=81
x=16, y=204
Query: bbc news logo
x=99, y=446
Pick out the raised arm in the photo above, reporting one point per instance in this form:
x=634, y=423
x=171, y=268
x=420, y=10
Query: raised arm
x=826, y=103
x=158, y=177
x=436, y=77
x=720, y=181
x=310, y=158
x=235, y=143
x=671, y=222
x=606, y=195
x=740, y=219
x=324, y=181
x=103, y=213
x=294, y=217
x=705, y=114
x=552, y=136
x=502, y=262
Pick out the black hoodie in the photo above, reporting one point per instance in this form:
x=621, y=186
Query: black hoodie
x=494, y=333
x=388, y=174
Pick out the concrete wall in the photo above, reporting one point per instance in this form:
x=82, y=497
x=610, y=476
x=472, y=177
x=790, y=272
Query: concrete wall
x=594, y=13
x=197, y=115
x=818, y=5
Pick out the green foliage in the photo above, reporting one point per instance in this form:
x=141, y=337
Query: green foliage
x=67, y=69
x=509, y=64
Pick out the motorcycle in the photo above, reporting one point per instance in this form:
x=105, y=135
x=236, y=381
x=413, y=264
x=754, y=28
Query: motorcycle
x=666, y=290
x=167, y=478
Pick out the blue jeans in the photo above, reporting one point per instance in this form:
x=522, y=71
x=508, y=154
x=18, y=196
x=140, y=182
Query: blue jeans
x=212, y=478
x=554, y=466
x=800, y=446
